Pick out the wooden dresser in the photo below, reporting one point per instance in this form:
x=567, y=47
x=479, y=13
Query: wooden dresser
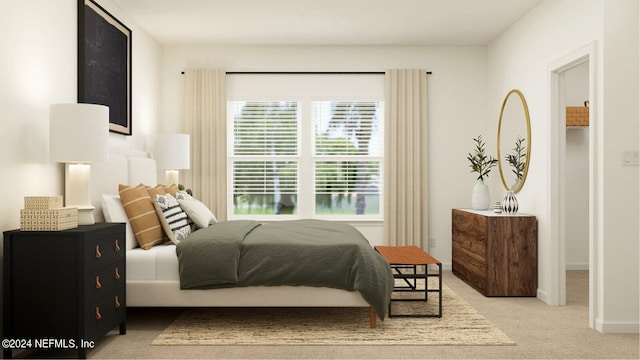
x=67, y=286
x=497, y=254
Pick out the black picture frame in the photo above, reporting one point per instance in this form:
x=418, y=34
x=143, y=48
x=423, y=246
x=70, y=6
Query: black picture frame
x=104, y=64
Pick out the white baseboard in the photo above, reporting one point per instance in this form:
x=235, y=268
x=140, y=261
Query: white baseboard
x=542, y=296
x=577, y=266
x=622, y=327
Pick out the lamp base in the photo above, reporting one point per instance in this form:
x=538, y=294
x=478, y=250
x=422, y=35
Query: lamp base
x=171, y=177
x=85, y=215
x=78, y=194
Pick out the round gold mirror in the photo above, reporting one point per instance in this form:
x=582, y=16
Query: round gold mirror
x=514, y=141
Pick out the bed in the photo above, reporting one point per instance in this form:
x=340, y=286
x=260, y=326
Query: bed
x=153, y=278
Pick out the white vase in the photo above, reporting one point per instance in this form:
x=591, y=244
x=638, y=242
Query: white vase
x=480, y=196
x=510, y=203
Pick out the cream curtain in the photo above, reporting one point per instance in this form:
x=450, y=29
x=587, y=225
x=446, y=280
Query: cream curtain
x=205, y=119
x=406, y=188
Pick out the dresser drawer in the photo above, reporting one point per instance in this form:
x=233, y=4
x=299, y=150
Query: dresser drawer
x=104, y=314
x=473, y=261
x=469, y=224
x=473, y=246
x=103, y=251
x=105, y=281
x=471, y=274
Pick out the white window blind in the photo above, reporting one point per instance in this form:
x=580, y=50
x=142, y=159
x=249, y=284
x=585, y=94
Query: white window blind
x=265, y=187
x=265, y=162
x=348, y=158
x=265, y=128
x=305, y=146
x=347, y=128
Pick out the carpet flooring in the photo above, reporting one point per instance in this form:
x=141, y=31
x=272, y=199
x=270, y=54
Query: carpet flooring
x=540, y=331
x=459, y=325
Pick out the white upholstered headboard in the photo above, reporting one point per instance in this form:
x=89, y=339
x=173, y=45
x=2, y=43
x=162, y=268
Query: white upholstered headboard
x=128, y=167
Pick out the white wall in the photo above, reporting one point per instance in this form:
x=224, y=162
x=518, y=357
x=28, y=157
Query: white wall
x=520, y=58
x=619, y=192
x=38, y=67
x=457, y=98
x=577, y=173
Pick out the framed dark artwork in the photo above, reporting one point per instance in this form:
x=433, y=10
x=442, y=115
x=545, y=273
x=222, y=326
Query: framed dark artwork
x=104, y=64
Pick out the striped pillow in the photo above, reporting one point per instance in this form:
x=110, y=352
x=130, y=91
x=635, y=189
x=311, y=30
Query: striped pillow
x=142, y=215
x=173, y=219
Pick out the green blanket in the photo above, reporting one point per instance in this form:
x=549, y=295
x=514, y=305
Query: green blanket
x=298, y=252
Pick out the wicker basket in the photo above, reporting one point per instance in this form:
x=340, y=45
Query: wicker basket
x=577, y=116
x=48, y=219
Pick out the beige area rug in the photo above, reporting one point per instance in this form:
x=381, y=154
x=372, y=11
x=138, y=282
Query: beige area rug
x=459, y=325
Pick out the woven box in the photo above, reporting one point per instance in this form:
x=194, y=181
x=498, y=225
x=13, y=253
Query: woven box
x=42, y=202
x=577, y=116
x=48, y=219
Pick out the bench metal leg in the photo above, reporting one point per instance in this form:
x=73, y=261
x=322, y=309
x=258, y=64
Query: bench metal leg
x=412, y=287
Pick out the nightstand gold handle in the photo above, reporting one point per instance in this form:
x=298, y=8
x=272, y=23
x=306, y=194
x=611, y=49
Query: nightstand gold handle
x=117, y=274
x=117, y=302
x=98, y=284
x=98, y=253
x=117, y=246
x=98, y=315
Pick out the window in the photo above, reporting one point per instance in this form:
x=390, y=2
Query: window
x=305, y=156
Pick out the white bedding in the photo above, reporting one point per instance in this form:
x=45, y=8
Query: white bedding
x=158, y=263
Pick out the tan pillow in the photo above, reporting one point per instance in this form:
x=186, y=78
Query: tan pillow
x=142, y=215
x=157, y=190
x=172, y=189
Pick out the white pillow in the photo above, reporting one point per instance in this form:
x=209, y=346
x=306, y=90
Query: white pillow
x=183, y=195
x=114, y=212
x=172, y=218
x=198, y=212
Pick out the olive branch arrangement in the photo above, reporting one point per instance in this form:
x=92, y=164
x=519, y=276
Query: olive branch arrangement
x=480, y=162
x=517, y=158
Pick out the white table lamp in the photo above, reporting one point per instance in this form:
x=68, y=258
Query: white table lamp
x=172, y=153
x=79, y=135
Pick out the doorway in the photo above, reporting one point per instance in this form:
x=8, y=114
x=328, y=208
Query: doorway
x=563, y=75
x=576, y=99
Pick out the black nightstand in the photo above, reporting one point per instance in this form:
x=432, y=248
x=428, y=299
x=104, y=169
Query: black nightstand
x=63, y=289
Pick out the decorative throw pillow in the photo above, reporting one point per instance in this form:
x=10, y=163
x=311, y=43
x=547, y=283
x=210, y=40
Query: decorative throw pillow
x=198, y=212
x=183, y=195
x=173, y=219
x=172, y=189
x=158, y=189
x=142, y=215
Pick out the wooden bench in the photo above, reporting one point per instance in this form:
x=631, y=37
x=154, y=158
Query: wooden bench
x=402, y=258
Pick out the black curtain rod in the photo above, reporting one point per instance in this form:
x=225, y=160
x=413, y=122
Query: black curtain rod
x=306, y=72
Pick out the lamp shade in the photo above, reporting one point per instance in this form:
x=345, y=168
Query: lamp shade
x=172, y=151
x=78, y=133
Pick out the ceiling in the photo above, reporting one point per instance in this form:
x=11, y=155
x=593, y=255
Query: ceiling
x=325, y=22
